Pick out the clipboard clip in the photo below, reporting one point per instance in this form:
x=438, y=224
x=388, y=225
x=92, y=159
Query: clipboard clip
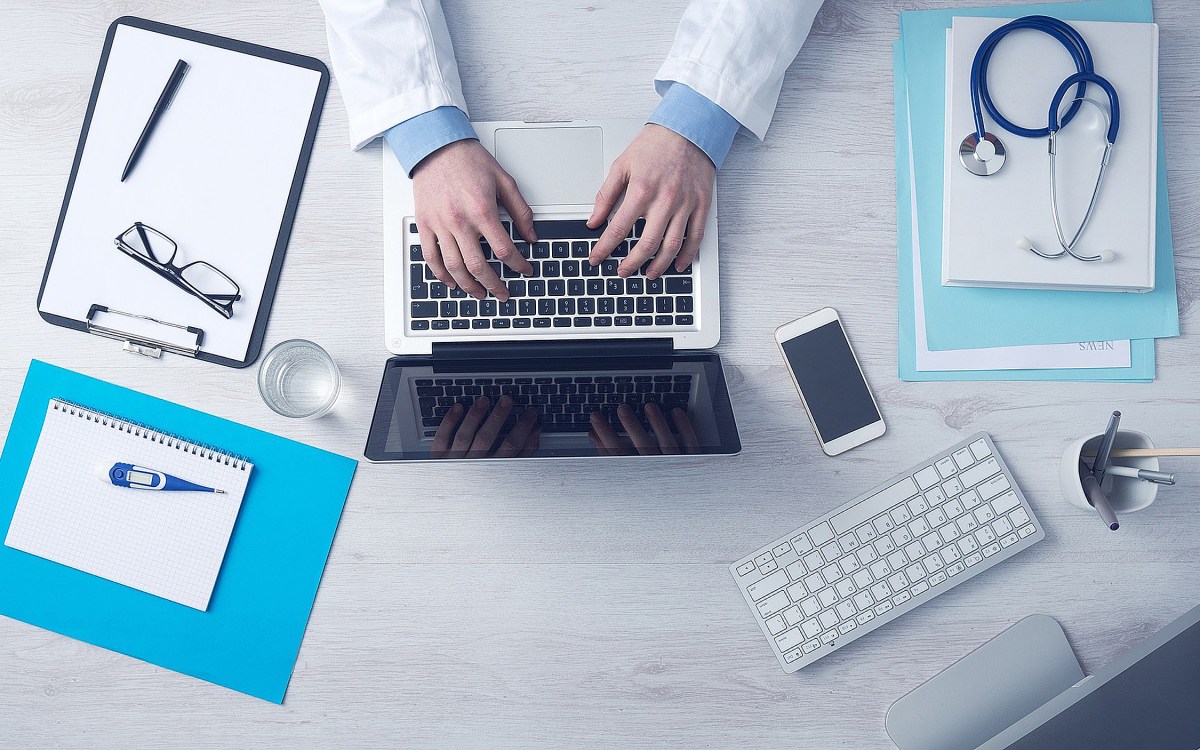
x=142, y=343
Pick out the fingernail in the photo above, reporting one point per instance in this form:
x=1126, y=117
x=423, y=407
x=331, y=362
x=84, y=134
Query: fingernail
x=456, y=408
x=505, y=401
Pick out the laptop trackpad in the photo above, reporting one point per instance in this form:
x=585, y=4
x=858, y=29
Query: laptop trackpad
x=553, y=165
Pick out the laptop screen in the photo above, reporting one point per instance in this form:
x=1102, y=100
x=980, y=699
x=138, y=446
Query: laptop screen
x=611, y=406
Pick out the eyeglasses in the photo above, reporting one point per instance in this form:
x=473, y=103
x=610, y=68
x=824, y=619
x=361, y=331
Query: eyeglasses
x=201, y=279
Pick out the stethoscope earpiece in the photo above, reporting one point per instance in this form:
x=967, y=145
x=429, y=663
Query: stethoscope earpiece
x=1025, y=244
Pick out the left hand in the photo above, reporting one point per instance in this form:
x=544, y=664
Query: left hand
x=472, y=433
x=666, y=179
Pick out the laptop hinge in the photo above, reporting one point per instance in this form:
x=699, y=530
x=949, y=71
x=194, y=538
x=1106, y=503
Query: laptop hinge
x=575, y=349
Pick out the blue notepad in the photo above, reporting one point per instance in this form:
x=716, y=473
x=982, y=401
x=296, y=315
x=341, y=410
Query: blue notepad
x=966, y=317
x=250, y=635
x=1141, y=368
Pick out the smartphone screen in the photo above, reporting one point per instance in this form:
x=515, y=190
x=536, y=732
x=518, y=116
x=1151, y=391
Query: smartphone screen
x=837, y=396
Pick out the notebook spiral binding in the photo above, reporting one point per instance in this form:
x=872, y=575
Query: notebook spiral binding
x=137, y=429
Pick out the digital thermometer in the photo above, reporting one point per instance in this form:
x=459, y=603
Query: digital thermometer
x=141, y=478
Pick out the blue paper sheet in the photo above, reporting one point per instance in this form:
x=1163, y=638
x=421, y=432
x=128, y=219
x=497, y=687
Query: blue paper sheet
x=1141, y=350
x=249, y=637
x=970, y=317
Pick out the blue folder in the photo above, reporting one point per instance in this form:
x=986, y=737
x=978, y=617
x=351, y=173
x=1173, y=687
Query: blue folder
x=249, y=637
x=969, y=317
x=1141, y=350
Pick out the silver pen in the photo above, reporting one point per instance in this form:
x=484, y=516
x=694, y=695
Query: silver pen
x=1106, y=444
x=1146, y=475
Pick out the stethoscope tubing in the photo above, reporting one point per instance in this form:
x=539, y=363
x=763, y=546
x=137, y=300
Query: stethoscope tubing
x=981, y=98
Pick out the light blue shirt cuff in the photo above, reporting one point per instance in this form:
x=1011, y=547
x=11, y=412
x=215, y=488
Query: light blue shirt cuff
x=418, y=137
x=697, y=118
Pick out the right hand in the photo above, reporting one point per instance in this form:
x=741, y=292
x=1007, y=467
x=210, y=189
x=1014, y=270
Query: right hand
x=457, y=189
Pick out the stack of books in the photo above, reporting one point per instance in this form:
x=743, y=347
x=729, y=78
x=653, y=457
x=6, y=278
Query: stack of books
x=1009, y=331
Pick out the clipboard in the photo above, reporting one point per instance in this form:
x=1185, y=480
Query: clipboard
x=221, y=176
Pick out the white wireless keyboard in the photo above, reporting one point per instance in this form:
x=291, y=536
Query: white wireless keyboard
x=866, y=563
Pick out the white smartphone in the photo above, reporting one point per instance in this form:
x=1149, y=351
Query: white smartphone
x=831, y=383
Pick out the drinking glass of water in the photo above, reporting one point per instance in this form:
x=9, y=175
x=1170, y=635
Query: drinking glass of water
x=299, y=379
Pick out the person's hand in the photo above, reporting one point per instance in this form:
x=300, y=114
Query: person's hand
x=471, y=433
x=664, y=442
x=457, y=189
x=667, y=179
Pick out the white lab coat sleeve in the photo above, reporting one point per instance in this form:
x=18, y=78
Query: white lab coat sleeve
x=393, y=60
x=735, y=52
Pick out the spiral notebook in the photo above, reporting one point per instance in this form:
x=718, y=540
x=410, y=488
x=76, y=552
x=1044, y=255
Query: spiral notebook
x=169, y=544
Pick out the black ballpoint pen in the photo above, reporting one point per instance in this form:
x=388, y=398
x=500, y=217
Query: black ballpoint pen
x=164, y=101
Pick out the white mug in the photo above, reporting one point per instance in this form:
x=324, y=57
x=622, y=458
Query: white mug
x=1125, y=494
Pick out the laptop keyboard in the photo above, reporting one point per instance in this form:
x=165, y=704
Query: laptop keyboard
x=565, y=291
x=565, y=403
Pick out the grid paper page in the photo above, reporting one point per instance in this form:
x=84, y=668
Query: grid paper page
x=169, y=544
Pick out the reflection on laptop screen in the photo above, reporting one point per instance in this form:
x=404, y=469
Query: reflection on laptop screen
x=508, y=409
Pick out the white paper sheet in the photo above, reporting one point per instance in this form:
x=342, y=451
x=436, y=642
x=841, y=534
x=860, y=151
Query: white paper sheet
x=215, y=177
x=170, y=544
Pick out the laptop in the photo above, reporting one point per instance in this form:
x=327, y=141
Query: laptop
x=559, y=167
x=607, y=366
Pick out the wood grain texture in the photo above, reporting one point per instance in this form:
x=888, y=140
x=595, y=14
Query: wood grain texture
x=589, y=604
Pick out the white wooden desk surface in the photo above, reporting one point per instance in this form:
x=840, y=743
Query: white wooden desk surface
x=588, y=604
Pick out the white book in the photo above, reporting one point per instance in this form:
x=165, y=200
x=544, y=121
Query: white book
x=166, y=543
x=983, y=217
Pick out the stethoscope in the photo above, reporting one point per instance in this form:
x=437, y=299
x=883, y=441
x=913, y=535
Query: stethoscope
x=983, y=154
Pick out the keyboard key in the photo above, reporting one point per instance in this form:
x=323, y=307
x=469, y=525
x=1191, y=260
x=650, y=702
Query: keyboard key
x=790, y=639
x=992, y=487
x=768, y=585
x=679, y=285
x=980, y=450
x=567, y=229
x=810, y=606
x=775, y=625
x=1027, y=530
x=878, y=503
x=420, y=325
x=424, y=310
x=1002, y=526
x=683, y=320
x=820, y=534
x=773, y=604
x=827, y=618
x=745, y=568
x=946, y=467
x=927, y=477
x=979, y=472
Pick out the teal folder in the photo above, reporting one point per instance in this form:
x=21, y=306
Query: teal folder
x=249, y=637
x=1141, y=350
x=968, y=317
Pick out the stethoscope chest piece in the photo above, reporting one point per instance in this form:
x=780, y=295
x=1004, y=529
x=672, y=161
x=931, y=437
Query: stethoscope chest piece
x=984, y=157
